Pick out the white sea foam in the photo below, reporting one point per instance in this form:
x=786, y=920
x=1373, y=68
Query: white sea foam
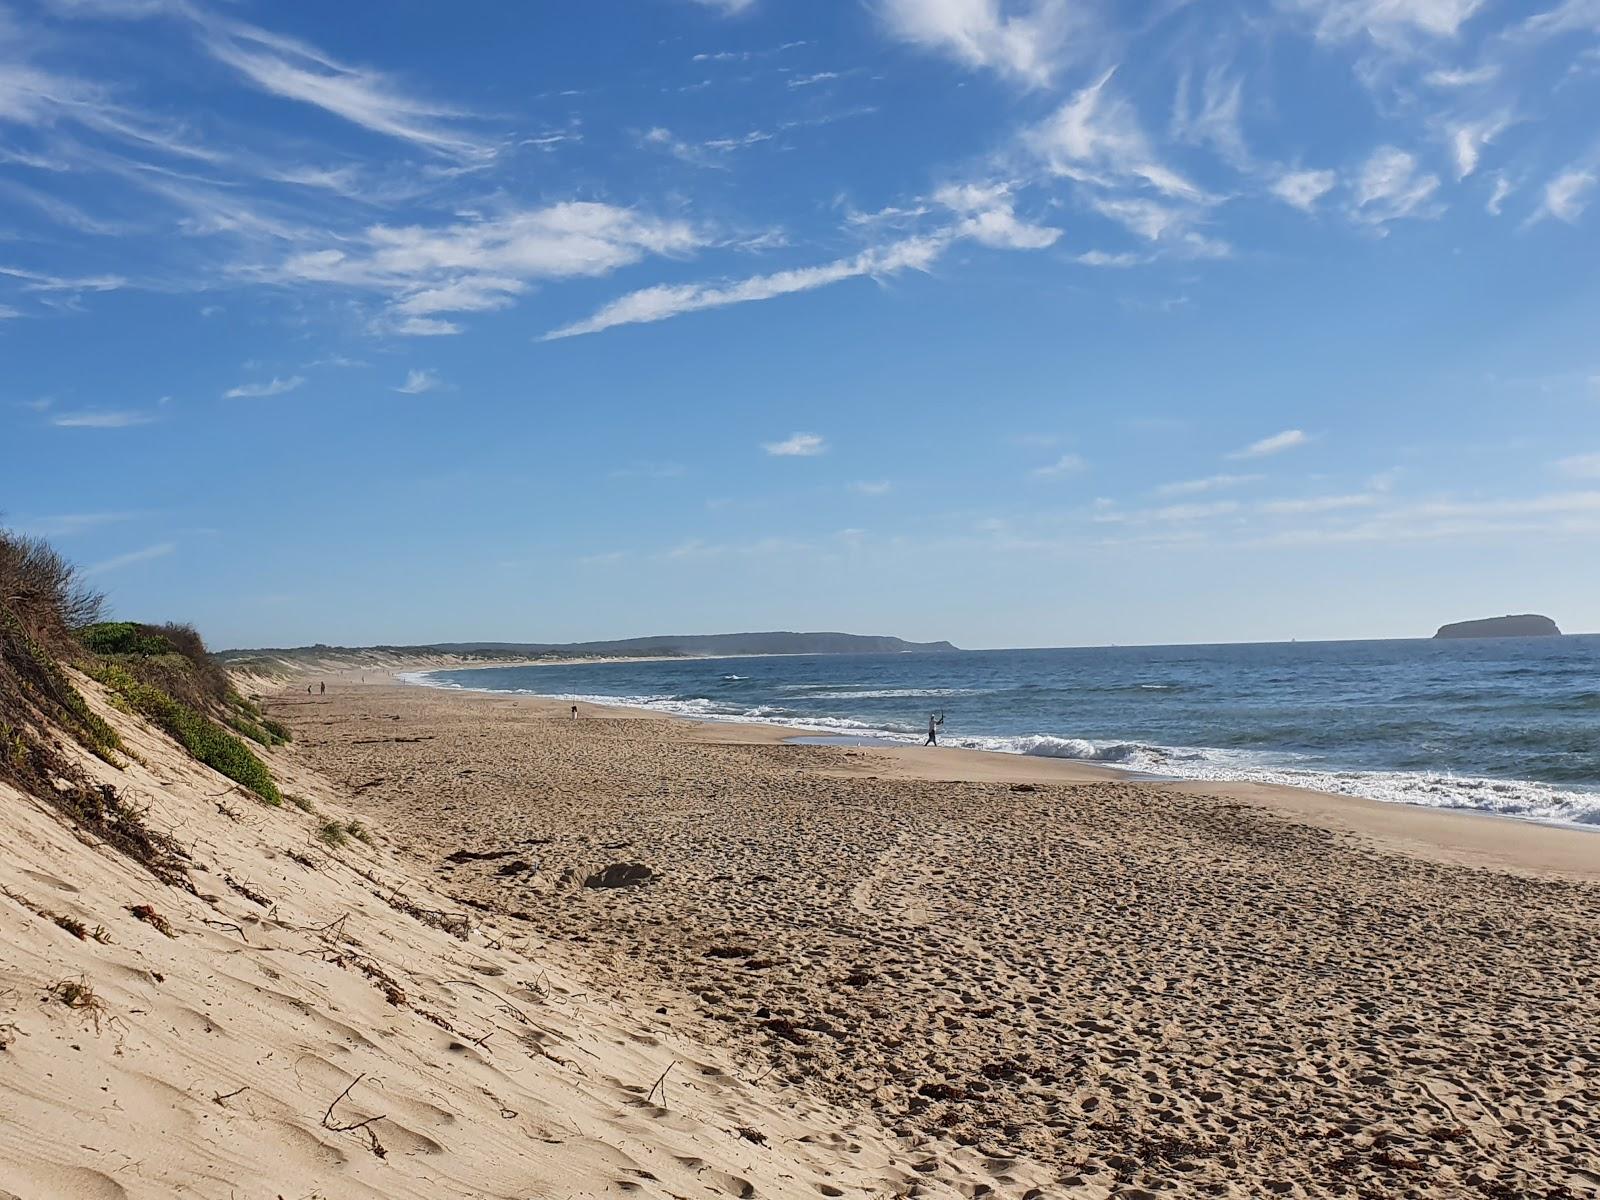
x=899, y=694
x=1507, y=797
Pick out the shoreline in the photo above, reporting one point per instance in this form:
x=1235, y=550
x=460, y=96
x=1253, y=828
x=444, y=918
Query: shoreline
x=1003, y=955
x=1340, y=810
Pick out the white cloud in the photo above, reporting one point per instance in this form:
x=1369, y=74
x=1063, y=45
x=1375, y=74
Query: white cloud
x=1566, y=196
x=160, y=550
x=880, y=487
x=1461, y=77
x=1302, y=189
x=670, y=300
x=1216, y=120
x=35, y=281
x=1211, y=483
x=69, y=524
x=1503, y=187
x=988, y=218
x=296, y=71
x=1095, y=137
x=711, y=153
x=1389, y=187
x=1387, y=21
x=255, y=391
x=797, y=445
x=419, y=381
x=1102, y=258
x=1468, y=139
x=1584, y=466
x=1569, y=16
x=1276, y=444
x=482, y=263
x=1318, y=504
x=731, y=8
x=1021, y=39
x=1067, y=464
x=101, y=419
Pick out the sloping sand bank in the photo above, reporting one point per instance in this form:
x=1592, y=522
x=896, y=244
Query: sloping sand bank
x=319, y=1021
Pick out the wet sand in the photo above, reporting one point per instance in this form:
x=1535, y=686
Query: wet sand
x=1150, y=989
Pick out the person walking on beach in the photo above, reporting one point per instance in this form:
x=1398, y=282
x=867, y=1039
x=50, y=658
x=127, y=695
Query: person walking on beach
x=934, y=721
x=322, y=689
x=574, y=712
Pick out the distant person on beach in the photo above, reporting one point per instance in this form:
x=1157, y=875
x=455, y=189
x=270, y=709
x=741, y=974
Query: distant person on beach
x=934, y=721
x=322, y=689
x=308, y=689
x=574, y=712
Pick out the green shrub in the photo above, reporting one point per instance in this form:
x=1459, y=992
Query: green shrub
x=246, y=717
x=31, y=668
x=331, y=834
x=202, y=737
x=124, y=637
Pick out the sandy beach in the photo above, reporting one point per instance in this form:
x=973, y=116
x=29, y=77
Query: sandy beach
x=1141, y=989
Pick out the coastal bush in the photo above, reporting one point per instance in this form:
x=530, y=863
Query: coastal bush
x=124, y=637
x=246, y=717
x=202, y=737
x=43, y=603
x=43, y=592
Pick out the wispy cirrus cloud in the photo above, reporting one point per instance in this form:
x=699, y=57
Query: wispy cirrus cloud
x=1391, y=186
x=273, y=387
x=872, y=487
x=1066, y=464
x=1565, y=196
x=101, y=418
x=983, y=213
x=1581, y=466
x=294, y=70
x=1303, y=189
x=797, y=445
x=1276, y=444
x=484, y=262
x=730, y=8
x=1387, y=22
x=419, y=380
x=1211, y=483
x=1025, y=40
x=160, y=550
x=69, y=524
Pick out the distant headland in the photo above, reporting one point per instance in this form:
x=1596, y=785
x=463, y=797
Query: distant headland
x=1521, y=625
x=701, y=645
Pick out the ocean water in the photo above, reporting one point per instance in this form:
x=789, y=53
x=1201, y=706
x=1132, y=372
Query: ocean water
x=1505, y=725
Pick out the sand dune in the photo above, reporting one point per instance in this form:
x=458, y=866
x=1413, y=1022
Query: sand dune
x=321, y=1021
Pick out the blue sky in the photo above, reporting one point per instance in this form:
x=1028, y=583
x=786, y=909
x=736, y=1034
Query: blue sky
x=1017, y=322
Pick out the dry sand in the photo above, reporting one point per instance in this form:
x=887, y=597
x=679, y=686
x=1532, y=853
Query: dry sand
x=320, y=1021
x=1145, y=989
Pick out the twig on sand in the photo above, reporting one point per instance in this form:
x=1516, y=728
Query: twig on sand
x=228, y=925
x=218, y=1099
x=360, y=1126
x=503, y=1004
x=660, y=1083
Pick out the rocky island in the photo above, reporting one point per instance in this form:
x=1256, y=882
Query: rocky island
x=1521, y=625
